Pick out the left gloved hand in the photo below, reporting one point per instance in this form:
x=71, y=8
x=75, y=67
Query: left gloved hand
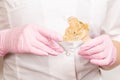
x=30, y=39
x=100, y=51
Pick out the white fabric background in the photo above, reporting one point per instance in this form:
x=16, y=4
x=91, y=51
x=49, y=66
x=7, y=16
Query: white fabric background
x=113, y=74
x=107, y=75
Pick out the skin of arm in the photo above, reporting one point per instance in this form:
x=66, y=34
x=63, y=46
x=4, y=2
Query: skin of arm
x=117, y=62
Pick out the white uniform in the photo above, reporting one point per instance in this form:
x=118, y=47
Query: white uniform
x=103, y=16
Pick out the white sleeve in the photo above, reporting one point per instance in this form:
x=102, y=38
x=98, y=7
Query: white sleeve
x=4, y=22
x=111, y=24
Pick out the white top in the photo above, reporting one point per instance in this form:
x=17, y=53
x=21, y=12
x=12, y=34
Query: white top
x=101, y=15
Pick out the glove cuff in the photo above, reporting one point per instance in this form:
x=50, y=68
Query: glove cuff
x=3, y=50
x=114, y=56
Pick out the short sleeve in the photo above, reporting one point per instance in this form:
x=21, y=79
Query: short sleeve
x=111, y=25
x=4, y=22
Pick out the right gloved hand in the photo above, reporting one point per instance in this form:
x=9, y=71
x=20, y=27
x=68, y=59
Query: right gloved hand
x=30, y=39
x=100, y=51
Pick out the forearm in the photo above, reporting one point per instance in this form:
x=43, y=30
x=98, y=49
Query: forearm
x=117, y=62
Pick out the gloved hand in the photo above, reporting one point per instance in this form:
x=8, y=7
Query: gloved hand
x=100, y=51
x=30, y=39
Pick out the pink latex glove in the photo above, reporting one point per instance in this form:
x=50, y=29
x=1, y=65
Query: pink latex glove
x=30, y=39
x=100, y=51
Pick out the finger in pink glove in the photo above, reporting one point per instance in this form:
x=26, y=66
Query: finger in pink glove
x=99, y=51
x=30, y=39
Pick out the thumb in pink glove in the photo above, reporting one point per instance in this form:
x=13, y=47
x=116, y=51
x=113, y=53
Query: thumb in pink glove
x=99, y=51
x=30, y=39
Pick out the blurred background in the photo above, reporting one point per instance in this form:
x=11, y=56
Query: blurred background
x=113, y=74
